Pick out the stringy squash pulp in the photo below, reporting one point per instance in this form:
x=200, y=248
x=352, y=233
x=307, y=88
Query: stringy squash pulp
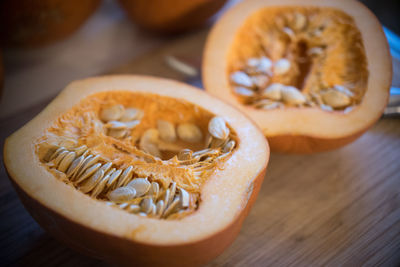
x=314, y=75
x=69, y=161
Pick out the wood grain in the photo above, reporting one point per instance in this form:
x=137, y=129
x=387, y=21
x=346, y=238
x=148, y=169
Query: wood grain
x=339, y=208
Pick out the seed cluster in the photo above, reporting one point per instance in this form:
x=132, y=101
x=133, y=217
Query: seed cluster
x=142, y=188
x=119, y=121
x=293, y=62
x=258, y=92
x=99, y=179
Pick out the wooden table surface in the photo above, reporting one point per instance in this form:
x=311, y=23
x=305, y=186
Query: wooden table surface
x=339, y=208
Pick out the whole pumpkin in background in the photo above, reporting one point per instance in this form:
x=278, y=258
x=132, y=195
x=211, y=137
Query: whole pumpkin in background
x=170, y=16
x=30, y=23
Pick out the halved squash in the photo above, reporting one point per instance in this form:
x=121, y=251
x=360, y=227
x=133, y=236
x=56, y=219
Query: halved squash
x=314, y=74
x=137, y=197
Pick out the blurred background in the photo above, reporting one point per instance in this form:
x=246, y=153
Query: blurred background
x=99, y=36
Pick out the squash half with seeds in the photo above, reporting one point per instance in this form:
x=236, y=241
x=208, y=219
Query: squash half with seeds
x=139, y=170
x=313, y=74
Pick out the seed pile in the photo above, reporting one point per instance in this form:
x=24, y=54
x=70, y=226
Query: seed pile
x=147, y=185
x=163, y=137
x=308, y=58
x=155, y=140
x=119, y=121
x=121, y=187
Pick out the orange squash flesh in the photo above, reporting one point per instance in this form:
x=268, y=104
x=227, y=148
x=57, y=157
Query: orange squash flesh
x=94, y=228
x=305, y=129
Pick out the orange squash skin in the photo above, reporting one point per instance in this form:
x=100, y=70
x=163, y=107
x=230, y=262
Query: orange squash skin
x=171, y=16
x=127, y=253
x=32, y=23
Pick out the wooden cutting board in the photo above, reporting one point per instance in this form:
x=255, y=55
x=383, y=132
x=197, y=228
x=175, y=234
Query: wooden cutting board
x=339, y=208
